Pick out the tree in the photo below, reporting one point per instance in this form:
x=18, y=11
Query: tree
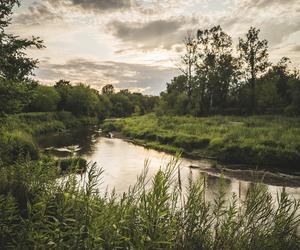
x=15, y=96
x=14, y=63
x=64, y=88
x=83, y=101
x=254, y=55
x=46, y=99
x=215, y=68
x=108, y=89
x=283, y=75
x=188, y=63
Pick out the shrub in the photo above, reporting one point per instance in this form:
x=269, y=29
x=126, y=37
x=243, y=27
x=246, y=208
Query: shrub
x=46, y=99
x=17, y=145
x=72, y=164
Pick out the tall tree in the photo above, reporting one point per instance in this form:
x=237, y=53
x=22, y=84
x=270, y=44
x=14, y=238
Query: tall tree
x=14, y=63
x=215, y=67
x=254, y=55
x=188, y=62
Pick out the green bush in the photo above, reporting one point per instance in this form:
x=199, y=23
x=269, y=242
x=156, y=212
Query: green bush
x=46, y=99
x=72, y=164
x=17, y=145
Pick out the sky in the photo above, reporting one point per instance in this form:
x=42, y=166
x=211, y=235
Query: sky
x=137, y=44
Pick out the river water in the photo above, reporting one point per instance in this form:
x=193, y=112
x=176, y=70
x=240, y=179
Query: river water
x=123, y=161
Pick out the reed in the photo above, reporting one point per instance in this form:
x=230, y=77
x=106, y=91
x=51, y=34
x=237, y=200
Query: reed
x=155, y=213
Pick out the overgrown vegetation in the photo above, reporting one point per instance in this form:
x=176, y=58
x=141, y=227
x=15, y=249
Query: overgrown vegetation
x=256, y=140
x=18, y=132
x=156, y=213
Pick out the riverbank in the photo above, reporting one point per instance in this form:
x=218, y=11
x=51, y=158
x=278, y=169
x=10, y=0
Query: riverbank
x=160, y=211
x=18, y=133
x=257, y=141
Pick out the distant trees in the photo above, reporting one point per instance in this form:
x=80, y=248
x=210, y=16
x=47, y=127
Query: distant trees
x=125, y=103
x=216, y=79
x=83, y=101
x=46, y=99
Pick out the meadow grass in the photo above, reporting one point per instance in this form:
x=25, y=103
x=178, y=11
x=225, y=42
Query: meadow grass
x=255, y=140
x=39, y=212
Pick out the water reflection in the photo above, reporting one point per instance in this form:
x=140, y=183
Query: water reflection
x=123, y=162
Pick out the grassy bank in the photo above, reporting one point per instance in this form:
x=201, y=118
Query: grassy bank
x=18, y=132
x=38, y=212
x=255, y=140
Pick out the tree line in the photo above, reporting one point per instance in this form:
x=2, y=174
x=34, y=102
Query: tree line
x=216, y=79
x=20, y=93
x=219, y=79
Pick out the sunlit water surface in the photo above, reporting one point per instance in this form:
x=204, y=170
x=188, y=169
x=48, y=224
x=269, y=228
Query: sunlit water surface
x=123, y=161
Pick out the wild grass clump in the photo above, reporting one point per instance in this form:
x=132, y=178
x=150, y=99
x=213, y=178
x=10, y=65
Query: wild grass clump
x=17, y=145
x=155, y=213
x=257, y=140
x=72, y=164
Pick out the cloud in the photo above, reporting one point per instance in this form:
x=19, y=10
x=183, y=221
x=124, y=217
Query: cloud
x=266, y=3
x=296, y=48
x=37, y=14
x=152, y=35
x=102, y=4
x=151, y=79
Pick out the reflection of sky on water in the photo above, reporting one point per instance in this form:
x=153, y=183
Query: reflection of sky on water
x=122, y=162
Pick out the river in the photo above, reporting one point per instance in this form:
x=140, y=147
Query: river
x=123, y=161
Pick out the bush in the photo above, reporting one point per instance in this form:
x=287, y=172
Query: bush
x=46, y=99
x=17, y=145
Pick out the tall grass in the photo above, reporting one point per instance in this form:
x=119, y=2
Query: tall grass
x=255, y=140
x=155, y=213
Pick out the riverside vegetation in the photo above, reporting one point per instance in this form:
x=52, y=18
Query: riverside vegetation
x=39, y=212
x=44, y=206
x=271, y=141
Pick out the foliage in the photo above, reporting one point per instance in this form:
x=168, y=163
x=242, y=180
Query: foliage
x=46, y=99
x=155, y=213
x=254, y=55
x=124, y=103
x=14, y=63
x=15, y=146
x=15, y=96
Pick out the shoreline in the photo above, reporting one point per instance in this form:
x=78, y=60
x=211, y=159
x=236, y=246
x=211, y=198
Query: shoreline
x=239, y=172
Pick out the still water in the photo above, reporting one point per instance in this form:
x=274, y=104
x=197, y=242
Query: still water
x=123, y=161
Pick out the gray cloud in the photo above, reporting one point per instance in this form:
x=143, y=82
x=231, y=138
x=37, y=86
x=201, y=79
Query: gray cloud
x=94, y=5
x=266, y=3
x=296, y=48
x=151, y=35
x=152, y=79
x=37, y=14
x=102, y=4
